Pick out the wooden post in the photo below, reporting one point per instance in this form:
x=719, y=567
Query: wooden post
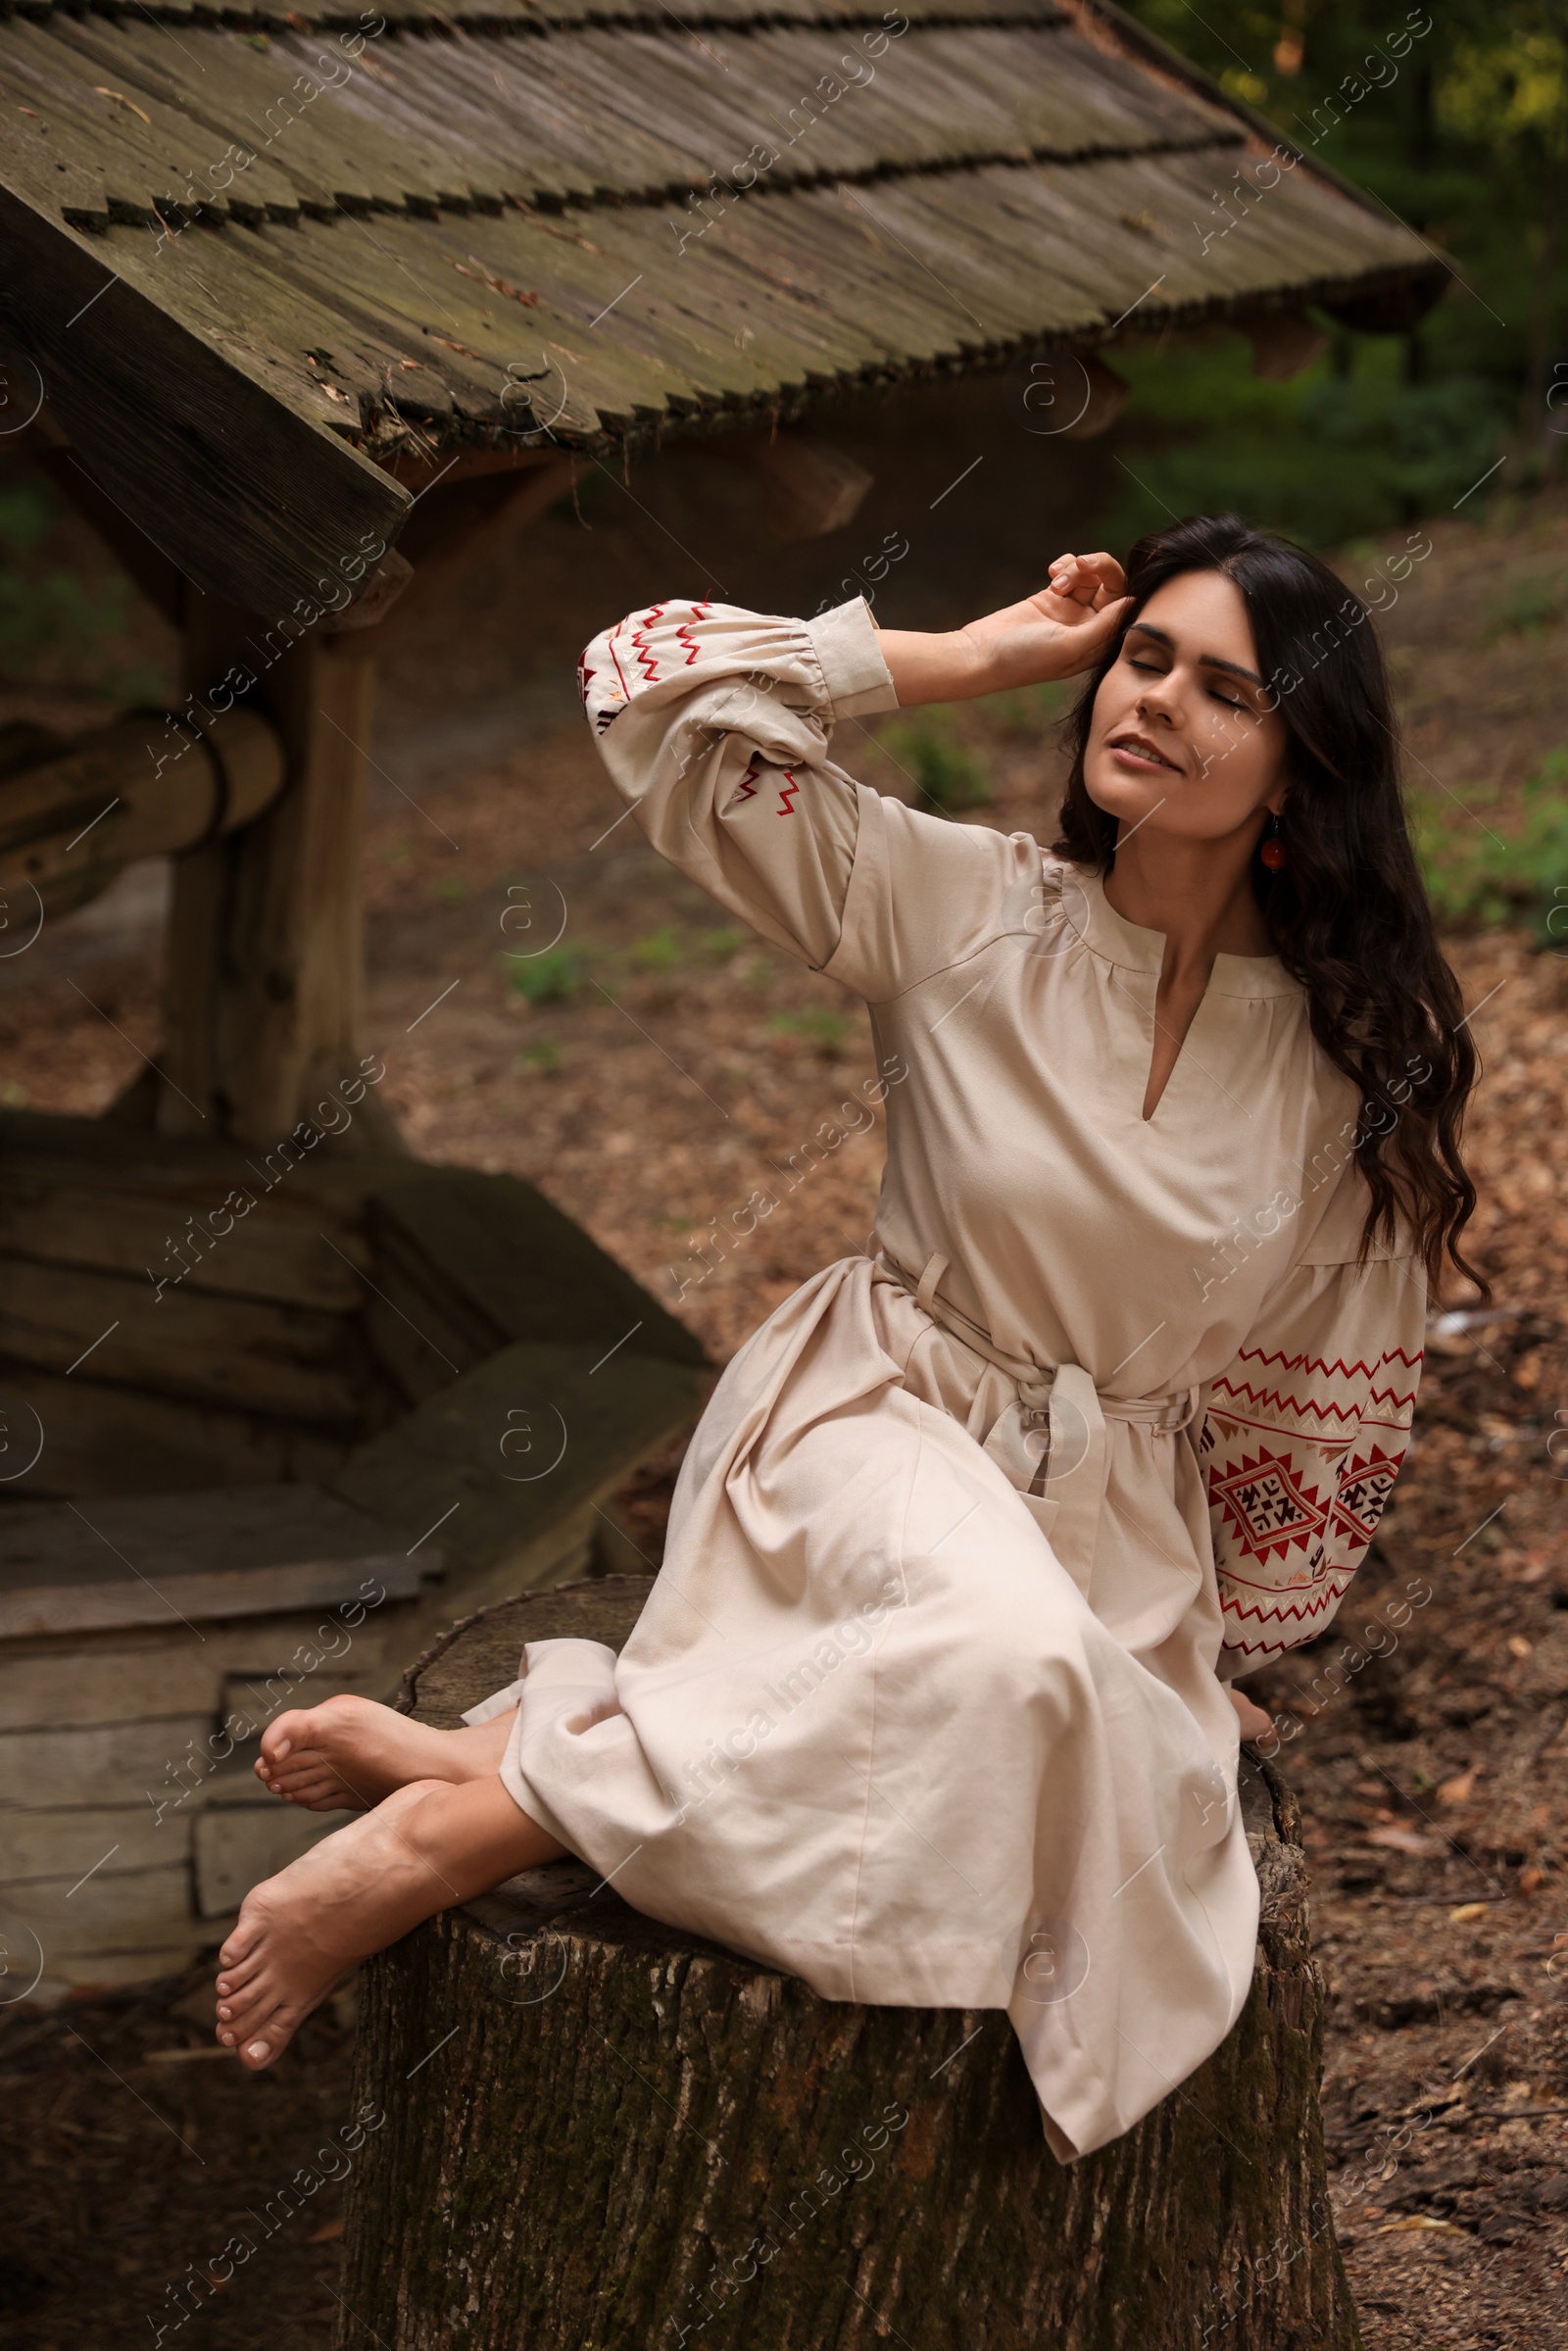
x=596, y=2131
x=265, y=934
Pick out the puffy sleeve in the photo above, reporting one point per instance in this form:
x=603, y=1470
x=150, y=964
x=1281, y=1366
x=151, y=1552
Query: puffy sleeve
x=1302, y=1438
x=714, y=725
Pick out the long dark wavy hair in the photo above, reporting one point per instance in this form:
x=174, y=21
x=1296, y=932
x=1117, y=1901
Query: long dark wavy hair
x=1348, y=913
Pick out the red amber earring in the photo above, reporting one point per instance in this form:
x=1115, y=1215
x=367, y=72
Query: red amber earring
x=1272, y=850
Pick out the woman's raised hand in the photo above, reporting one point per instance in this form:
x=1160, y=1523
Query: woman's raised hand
x=1059, y=631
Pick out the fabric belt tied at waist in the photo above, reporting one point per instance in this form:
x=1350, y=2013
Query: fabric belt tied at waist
x=1051, y=1441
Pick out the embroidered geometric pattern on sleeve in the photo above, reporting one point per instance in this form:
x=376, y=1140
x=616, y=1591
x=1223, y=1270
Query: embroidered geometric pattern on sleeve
x=629, y=660
x=1299, y=1456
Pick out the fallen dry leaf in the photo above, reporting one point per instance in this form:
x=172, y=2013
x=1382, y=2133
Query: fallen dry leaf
x=1458, y=1789
x=1518, y=1646
x=326, y=2233
x=1532, y=1880
x=1403, y=1840
x=1422, y=2219
x=1466, y=1912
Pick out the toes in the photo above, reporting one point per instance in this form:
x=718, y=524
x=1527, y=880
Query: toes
x=262, y=2048
x=279, y=1737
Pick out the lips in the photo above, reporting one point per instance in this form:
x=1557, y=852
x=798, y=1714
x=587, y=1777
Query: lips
x=1140, y=746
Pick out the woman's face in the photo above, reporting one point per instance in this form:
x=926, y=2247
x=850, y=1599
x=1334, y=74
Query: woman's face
x=1182, y=740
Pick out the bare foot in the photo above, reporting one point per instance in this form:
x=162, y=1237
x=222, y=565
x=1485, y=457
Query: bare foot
x=1256, y=1724
x=349, y=1753
x=428, y=1845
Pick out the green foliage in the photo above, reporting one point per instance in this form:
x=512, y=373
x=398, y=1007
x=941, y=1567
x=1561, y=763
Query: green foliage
x=1476, y=874
x=1345, y=450
x=717, y=947
x=539, y=1059
x=758, y=973
x=1527, y=605
x=928, y=748
x=451, y=891
x=551, y=978
x=50, y=619
x=824, y=1030
x=661, y=951
x=1457, y=120
x=1026, y=714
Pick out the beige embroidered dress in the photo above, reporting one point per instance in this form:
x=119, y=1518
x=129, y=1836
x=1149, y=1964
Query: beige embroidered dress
x=926, y=1705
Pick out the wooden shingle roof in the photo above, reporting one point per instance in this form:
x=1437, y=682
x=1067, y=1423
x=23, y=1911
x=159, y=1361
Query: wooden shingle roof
x=253, y=258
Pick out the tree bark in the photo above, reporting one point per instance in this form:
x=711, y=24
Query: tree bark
x=602, y=2135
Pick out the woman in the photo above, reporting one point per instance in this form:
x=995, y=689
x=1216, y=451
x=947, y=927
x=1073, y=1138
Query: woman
x=929, y=1703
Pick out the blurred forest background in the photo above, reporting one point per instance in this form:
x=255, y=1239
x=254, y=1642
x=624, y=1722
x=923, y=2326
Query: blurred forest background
x=1455, y=117
x=1464, y=135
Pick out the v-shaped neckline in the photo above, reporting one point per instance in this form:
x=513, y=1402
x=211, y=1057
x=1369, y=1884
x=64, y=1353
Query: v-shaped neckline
x=1128, y=946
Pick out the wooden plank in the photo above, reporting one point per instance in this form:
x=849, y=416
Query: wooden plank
x=124, y=1682
x=146, y=1913
x=522, y=1267
x=234, y=1846
x=600, y=112
x=328, y=1180
x=192, y=1558
x=527, y=1443
x=291, y=1361
x=238, y=102
x=68, y=1841
x=124, y=1441
x=80, y=1766
x=242, y=1243
x=420, y=1345
x=221, y=459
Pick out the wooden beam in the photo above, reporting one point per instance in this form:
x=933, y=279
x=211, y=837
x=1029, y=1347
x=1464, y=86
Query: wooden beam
x=1102, y=390
x=453, y=525
x=72, y=819
x=1283, y=342
x=263, y=972
x=813, y=487
x=210, y=458
x=420, y=473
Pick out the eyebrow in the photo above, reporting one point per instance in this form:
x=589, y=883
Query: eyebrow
x=1205, y=660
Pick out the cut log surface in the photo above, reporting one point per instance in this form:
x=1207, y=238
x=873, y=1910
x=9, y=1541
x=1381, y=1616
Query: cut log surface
x=603, y=2135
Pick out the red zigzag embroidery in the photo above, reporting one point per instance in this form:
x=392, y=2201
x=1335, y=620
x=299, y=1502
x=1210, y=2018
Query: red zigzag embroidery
x=1254, y=1354
x=786, y=798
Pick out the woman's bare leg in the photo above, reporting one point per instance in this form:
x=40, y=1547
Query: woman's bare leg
x=349, y=1753
x=428, y=1845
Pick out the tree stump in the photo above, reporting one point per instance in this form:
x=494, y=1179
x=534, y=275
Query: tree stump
x=602, y=2135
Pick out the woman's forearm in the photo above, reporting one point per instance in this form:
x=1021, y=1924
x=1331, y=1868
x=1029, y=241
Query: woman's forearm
x=927, y=667
x=1056, y=633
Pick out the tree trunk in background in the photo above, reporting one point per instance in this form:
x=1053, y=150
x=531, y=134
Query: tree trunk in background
x=601, y=2135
